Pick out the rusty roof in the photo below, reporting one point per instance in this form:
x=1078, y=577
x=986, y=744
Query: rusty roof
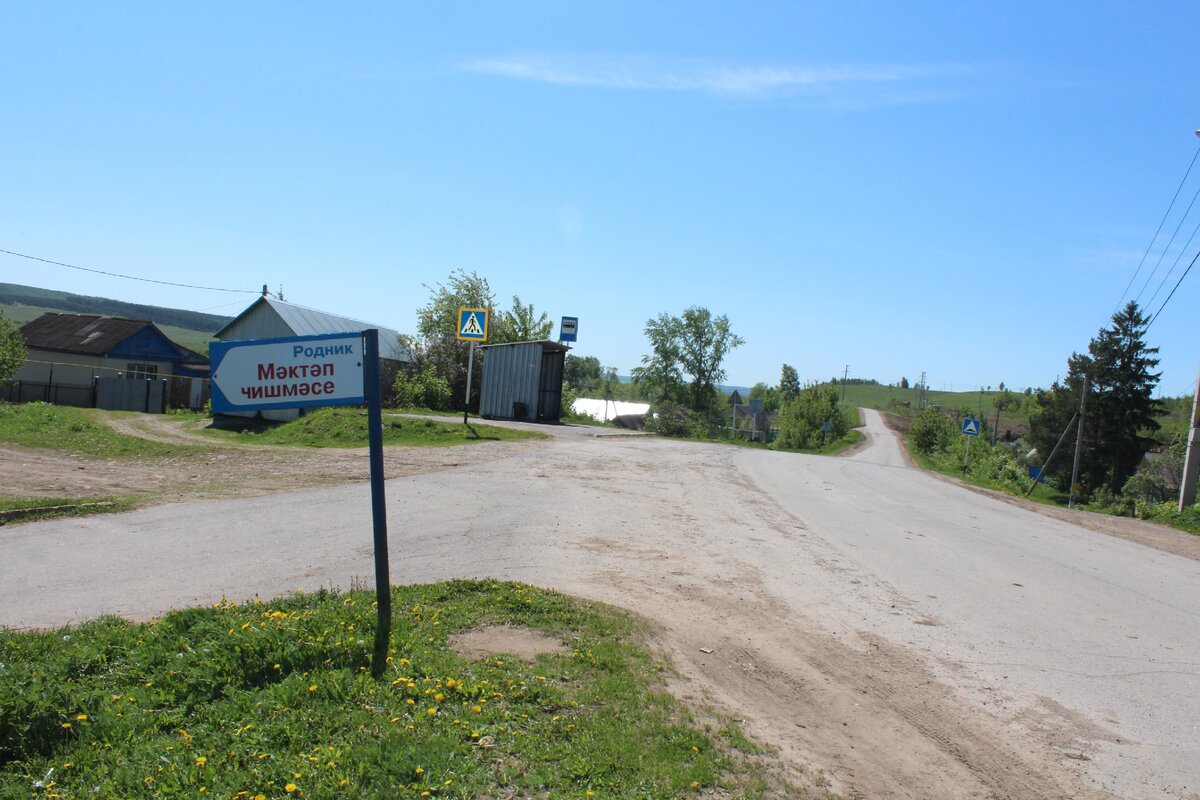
x=90, y=334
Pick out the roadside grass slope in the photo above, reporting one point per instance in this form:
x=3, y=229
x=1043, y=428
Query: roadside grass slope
x=274, y=700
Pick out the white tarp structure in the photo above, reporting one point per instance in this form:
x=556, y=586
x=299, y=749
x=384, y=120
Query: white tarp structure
x=605, y=410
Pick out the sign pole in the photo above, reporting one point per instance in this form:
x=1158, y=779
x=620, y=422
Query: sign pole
x=470, y=372
x=383, y=583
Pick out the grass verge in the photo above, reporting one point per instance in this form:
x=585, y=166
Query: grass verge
x=275, y=700
x=347, y=427
x=63, y=428
x=26, y=509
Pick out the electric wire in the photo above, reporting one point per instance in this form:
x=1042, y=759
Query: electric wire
x=1171, y=271
x=129, y=277
x=1166, y=214
x=1167, y=247
x=1172, y=294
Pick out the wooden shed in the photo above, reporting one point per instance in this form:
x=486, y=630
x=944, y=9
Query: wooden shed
x=522, y=381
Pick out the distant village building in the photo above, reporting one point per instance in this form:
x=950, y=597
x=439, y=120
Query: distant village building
x=268, y=318
x=69, y=355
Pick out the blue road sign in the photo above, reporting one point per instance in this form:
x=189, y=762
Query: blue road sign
x=568, y=329
x=472, y=325
x=294, y=372
x=971, y=427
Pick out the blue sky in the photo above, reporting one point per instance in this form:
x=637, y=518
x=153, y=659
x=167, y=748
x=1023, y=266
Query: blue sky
x=964, y=189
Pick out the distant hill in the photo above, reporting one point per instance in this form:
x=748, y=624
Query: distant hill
x=12, y=294
x=192, y=329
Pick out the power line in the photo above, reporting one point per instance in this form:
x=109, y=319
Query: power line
x=1172, y=294
x=1171, y=241
x=129, y=277
x=1179, y=257
x=1166, y=214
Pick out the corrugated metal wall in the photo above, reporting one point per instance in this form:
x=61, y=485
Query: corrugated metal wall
x=510, y=375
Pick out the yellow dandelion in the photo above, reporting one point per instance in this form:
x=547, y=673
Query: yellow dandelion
x=432, y=712
x=66, y=725
x=81, y=717
x=291, y=787
x=312, y=688
x=439, y=697
x=201, y=761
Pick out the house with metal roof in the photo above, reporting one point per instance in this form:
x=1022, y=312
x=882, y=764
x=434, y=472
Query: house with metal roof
x=67, y=354
x=268, y=318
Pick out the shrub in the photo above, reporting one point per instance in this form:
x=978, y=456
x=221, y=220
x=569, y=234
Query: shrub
x=800, y=423
x=424, y=389
x=932, y=431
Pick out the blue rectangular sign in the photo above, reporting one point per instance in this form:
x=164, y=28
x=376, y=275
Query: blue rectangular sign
x=568, y=329
x=293, y=372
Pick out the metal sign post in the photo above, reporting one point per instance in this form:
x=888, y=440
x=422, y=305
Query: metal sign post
x=383, y=581
x=470, y=373
x=332, y=369
x=472, y=327
x=970, y=429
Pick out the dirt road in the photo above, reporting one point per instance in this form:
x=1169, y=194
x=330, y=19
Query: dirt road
x=891, y=634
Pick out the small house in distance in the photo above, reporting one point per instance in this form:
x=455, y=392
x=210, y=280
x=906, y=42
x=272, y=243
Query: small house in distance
x=74, y=359
x=522, y=381
x=268, y=318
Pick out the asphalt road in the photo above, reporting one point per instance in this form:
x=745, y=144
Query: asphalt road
x=906, y=636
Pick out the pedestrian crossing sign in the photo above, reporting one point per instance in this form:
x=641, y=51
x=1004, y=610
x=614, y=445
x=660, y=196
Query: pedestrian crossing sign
x=970, y=427
x=472, y=325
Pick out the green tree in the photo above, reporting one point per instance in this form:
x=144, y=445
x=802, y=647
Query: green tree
x=12, y=349
x=802, y=420
x=437, y=325
x=1121, y=417
x=770, y=396
x=932, y=431
x=691, y=346
x=582, y=371
x=789, y=382
x=521, y=324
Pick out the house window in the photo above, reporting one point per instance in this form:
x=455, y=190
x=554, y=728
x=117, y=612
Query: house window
x=141, y=372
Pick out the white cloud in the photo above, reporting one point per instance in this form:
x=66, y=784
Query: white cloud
x=846, y=86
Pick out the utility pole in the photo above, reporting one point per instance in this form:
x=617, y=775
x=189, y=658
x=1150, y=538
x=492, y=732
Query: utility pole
x=996, y=427
x=845, y=375
x=921, y=393
x=1191, y=462
x=1087, y=382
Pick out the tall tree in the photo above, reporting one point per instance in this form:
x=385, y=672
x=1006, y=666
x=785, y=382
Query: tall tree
x=12, y=349
x=1121, y=413
x=581, y=372
x=521, y=324
x=692, y=345
x=789, y=382
x=437, y=326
